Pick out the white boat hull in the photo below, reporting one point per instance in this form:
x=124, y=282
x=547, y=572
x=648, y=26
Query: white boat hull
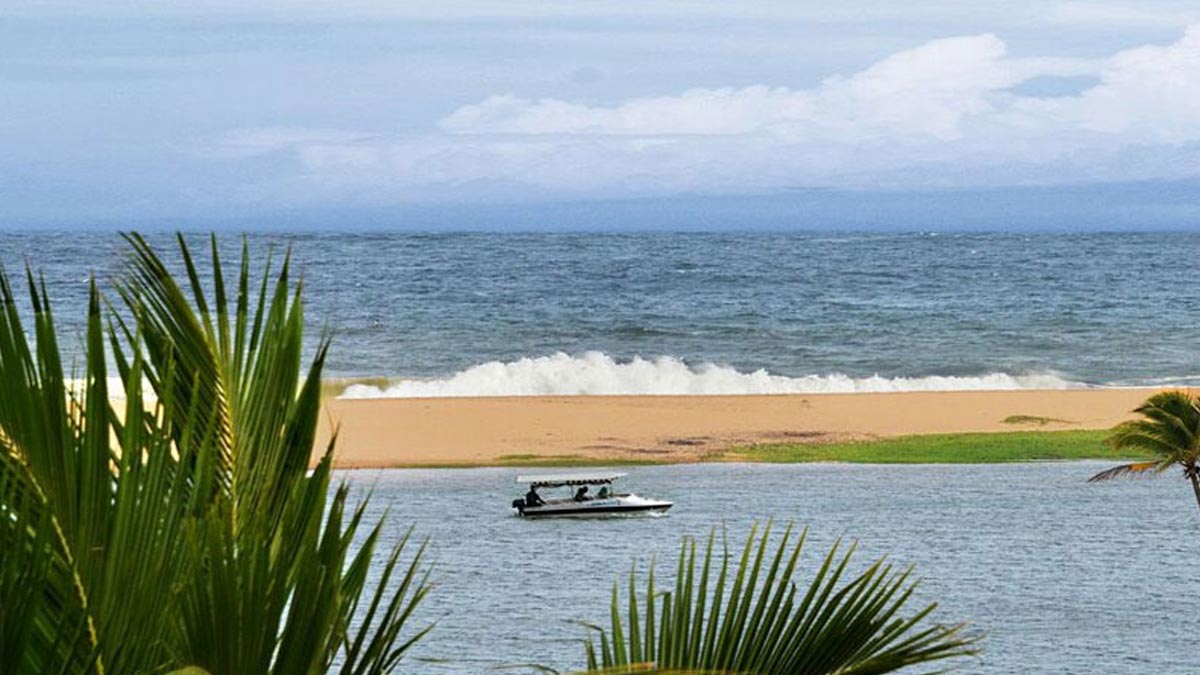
x=609, y=506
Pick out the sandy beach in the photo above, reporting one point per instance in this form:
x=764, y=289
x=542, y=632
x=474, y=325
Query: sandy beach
x=480, y=431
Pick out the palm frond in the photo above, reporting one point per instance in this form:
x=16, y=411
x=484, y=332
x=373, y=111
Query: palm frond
x=1141, y=435
x=184, y=532
x=1175, y=412
x=274, y=541
x=1169, y=424
x=1132, y=469
x=48, y=490
x=765, y=626
x=1168, y=427
x=43, y=628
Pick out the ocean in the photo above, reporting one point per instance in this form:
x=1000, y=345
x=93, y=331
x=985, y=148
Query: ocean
x=460, y=314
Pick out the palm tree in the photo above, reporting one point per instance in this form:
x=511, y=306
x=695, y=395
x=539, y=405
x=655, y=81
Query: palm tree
x=764, y=625
x=1169, y=429
x=183, y=529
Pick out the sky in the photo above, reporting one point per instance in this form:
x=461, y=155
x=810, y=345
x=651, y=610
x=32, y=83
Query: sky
x=407, y=114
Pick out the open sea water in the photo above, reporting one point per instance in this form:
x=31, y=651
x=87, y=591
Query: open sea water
x=1059, y=575
x=510, y=314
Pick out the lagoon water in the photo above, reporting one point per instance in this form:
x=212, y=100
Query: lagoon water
x=1061, y=576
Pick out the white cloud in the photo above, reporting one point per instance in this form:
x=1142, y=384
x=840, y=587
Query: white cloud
x=923, y=91
x=927, y=91
x=941, y=114
x=1150, y=94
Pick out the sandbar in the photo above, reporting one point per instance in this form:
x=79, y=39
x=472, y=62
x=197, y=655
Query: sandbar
x=413, y=432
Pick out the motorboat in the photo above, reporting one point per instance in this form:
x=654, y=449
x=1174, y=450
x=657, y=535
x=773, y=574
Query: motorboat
x=582, y=500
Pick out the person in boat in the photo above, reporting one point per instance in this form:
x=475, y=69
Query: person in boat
x=581, y=494
x=603, y=494
x=532, y=498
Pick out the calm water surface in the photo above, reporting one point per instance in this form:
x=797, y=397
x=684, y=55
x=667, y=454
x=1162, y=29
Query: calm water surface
x=1062, y=576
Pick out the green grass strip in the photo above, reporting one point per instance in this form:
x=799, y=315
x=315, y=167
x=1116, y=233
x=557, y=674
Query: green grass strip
x=971, y=448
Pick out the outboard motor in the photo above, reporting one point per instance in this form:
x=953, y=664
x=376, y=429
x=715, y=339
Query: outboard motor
x=519, y=505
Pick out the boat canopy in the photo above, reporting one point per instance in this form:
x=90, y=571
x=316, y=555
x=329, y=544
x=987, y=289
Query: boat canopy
x=559, y=480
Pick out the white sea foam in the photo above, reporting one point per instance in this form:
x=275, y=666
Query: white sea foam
x=597, y=374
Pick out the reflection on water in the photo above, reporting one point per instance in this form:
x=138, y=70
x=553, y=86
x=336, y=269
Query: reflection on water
x=1062, y=576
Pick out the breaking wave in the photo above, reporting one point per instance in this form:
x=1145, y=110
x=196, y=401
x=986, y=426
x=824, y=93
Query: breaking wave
x=598, y=374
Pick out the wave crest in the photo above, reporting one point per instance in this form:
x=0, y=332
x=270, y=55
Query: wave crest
x=598, y=374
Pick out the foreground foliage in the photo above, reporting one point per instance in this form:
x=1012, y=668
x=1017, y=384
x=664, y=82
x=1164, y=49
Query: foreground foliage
x=765, y=624
x=182, y=529
x=1168, y=431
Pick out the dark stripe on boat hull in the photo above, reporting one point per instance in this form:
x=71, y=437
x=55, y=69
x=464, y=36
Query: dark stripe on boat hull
x=597, y=510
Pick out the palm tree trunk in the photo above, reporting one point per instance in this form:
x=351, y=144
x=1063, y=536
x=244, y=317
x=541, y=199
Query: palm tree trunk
x=1195, y=484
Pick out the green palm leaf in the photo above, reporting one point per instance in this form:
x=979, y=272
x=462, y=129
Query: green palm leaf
x=274, y=541
x=1169, y=427
x=59, y=443
x=183, y=533
x=764, y=625
x=43, y=629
